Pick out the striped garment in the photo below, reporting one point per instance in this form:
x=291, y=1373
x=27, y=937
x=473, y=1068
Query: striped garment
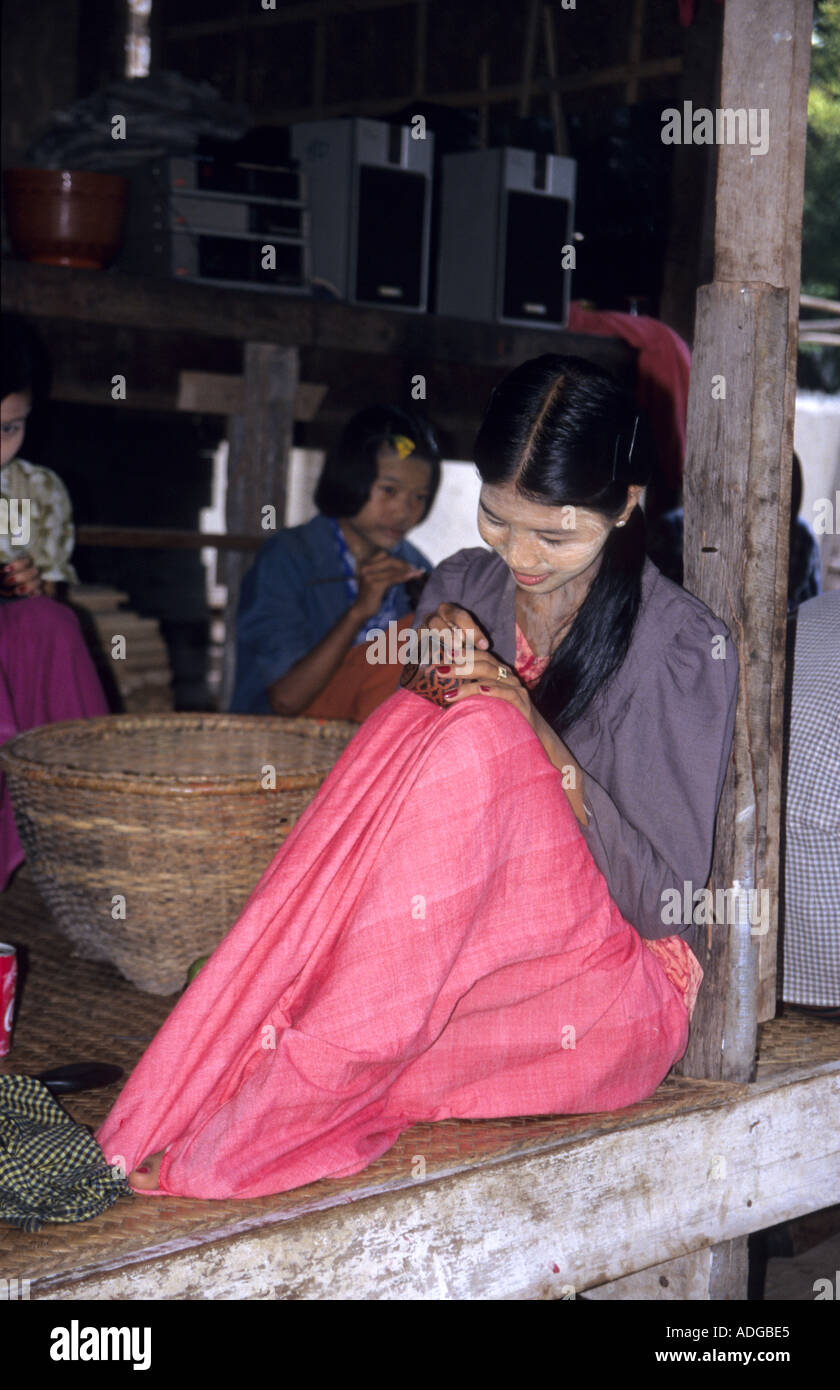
x=51, y=1169
x=812, y=854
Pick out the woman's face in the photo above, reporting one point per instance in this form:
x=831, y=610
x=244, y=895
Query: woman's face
x=397, y=499
x=13, y=412
x=545, y=547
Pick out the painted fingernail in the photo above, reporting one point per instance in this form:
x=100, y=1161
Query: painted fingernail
x=444, y=670
x=449, y=694
x=144, y=1169
x=485, y=688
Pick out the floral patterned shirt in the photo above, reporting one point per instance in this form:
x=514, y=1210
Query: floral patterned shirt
x=38, y=520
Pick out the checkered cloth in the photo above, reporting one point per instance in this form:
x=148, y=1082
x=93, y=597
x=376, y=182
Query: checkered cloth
x=51, y=1169
x=812, y=857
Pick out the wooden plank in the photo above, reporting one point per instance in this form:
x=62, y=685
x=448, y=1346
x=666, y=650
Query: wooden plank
x=715, y=1273
x=214, y=393
x=686, y=1279
x=156, y=538
x=542, y=1226
x=150, y=303
x=737, y=498
x=260, y=441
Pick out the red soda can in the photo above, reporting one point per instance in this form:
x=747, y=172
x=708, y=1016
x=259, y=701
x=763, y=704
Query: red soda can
x=8, y=982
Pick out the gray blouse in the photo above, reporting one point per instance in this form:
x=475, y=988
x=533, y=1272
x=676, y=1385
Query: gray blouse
x=654, y=743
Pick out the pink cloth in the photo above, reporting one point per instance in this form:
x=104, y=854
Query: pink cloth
x=663, y=372
x=46, y=675
x=433, y=939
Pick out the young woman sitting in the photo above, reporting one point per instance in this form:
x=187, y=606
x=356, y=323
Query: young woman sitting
x=469, y=919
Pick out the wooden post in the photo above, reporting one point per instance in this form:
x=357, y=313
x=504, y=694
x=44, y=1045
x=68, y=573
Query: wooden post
x=529, y=44
x=558, y=119
x=259, y=441
x=421, y=43
x=634, y=53
x=483, y=108
x=737, y=501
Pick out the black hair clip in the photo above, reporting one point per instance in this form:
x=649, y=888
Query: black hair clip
x=629, y=452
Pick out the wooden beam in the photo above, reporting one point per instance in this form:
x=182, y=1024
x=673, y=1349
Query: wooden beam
x=259, y=18
x=164, y=538
x=506, y=93
x=167, y=306
x=737, y=502
x=260, y=441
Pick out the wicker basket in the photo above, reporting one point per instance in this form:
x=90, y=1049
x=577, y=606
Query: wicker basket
x=145, y=834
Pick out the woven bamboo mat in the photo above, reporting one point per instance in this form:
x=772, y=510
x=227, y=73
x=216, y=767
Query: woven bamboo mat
x=76, y=1010
x=795, y=1041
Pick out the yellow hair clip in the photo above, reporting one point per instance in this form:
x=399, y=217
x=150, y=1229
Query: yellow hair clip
x=403, y=445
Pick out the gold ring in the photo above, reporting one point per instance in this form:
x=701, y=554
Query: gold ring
x=503, y=673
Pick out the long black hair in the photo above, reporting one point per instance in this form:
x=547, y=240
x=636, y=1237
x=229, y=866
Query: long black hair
x=565, y=433
x=350, y=470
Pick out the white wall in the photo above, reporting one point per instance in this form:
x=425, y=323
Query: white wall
x=816, y=439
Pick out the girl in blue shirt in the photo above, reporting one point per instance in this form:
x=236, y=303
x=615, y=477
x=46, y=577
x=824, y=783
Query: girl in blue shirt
x=315, y=590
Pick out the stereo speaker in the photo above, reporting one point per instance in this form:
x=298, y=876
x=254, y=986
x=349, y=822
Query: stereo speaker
x=506, y=229
x=369, y=195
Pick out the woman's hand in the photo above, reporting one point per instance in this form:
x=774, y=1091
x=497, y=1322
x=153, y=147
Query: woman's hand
x=466, y=634
x=490, y=676
x=459, y=636
x=495, y=679
x=376, y=576
x=22, y=578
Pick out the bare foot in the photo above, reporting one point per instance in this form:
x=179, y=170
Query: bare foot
x=148, y=1173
